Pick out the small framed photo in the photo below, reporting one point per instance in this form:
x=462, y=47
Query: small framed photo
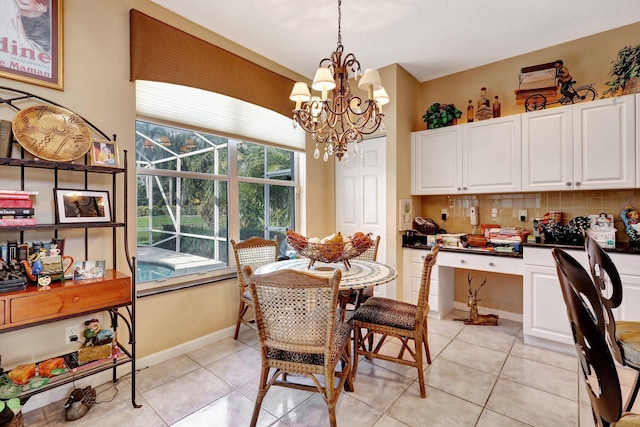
x=75, y=206
x=105, y=153
x=88, y=270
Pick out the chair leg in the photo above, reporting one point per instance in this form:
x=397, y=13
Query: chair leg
x=262, y=391
x=357, y=337
x=418, y=345
x=242, y=309
x=425, y=340
x=634, y=393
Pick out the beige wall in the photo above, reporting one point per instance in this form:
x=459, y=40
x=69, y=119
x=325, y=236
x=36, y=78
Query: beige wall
x=588, y=59
x=97, y=86
x=96, y=79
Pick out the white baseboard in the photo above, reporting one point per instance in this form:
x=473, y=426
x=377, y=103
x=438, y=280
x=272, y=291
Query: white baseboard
x=482, y=310
x=62, y=392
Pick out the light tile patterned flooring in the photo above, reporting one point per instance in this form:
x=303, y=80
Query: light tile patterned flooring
x=481, y=376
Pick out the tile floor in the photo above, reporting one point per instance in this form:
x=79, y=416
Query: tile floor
x=480, y=376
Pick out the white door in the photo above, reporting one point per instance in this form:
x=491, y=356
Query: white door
x=361, y=195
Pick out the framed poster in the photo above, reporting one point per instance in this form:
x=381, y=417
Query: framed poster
x=31, y=48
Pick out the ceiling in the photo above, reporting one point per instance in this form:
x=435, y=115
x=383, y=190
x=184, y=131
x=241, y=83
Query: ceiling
x=428, y=38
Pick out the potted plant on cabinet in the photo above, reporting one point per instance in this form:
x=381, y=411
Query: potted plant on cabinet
x=440, y=115
x=626, y=70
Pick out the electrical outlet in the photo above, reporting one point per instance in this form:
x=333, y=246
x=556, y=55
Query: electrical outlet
x=72, y=334
x=444, y=213
x=473, y=215
x=522, y=214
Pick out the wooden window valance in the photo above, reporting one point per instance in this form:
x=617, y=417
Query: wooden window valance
x=162, y=53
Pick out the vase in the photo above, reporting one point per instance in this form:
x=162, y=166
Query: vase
x=631, y=86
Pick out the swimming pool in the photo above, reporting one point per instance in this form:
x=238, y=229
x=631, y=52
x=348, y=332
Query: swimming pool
x=148, y=271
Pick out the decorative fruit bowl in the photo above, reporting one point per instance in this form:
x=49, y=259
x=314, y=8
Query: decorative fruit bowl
x=333, y=248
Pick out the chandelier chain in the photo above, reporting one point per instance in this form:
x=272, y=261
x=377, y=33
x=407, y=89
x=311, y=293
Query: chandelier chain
x=339, y=23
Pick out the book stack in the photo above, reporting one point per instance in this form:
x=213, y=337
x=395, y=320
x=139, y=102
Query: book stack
x=16, y=208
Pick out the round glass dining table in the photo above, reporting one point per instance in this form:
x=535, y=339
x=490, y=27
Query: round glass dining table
x=360, y=275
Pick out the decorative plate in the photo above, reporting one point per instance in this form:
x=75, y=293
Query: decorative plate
x=52, y=133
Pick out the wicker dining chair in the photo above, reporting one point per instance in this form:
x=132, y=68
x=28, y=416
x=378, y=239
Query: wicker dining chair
x=300, y=334
x=404, y=321
x=587, y=319
x=255, y=252
x=623, y=336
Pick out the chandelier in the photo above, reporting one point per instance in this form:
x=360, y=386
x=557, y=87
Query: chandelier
x=337, y=117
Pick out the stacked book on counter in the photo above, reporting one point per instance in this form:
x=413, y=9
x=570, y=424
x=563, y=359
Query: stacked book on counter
x=16, y=208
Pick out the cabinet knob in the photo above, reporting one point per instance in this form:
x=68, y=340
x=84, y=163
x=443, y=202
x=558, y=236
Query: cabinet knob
x=578, y=183
x=464, y=188
x=568, y=184
x=491, y=264
x=462, y=261
x=459, y=189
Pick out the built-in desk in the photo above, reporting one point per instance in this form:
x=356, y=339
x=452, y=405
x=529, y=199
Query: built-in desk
x=544, y=318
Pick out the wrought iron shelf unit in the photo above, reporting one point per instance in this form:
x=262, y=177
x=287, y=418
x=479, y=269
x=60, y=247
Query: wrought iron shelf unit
x=114, y=294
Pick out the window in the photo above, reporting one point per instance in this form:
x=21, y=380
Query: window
x=196, y=189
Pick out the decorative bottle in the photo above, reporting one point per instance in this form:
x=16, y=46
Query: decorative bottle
x=470, y=111
x=496, y=107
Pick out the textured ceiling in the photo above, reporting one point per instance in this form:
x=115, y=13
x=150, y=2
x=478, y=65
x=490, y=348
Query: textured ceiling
x=428, y=38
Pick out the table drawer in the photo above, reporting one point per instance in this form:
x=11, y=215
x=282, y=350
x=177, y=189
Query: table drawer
x=496, y=264
x=68, y=301
x=2, y=313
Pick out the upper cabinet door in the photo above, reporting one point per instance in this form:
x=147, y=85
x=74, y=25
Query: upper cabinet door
x=492, y=156
x=605, y=143
x=436, y=161
x=547, y=150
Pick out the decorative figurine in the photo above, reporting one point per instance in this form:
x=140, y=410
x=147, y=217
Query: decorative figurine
x=631, y=220
x=79, y=402
x=484, y=107
x=564, y=78
x=472, y=303
x=470, y=111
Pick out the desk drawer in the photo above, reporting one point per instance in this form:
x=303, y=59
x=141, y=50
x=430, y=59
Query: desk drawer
x=496, y=264
x=68, y=301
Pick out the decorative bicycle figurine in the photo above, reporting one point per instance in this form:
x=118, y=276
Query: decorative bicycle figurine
x=550, y=83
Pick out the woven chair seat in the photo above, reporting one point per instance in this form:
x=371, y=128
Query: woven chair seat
x=342, y=335
x=387, y=312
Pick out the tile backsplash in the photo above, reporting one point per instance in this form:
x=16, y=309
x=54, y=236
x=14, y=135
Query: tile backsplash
x=503, y=209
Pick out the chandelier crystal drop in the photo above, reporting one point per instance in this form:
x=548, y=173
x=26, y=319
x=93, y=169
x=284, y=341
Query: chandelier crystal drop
x=338, y=117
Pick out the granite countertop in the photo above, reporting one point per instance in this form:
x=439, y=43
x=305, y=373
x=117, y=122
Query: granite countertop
x=621, y=247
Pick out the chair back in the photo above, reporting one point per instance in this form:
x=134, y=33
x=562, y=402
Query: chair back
x=425, y=283
x=370, y=254
x=585, y=316
x=255, y=252
x=609, y=285
x=295, y=310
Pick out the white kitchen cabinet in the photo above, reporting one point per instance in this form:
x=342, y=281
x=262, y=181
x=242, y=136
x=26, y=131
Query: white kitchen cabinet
x=589, y=146
x=436, y=161
x=481, y=157
x=544, y=314
x=547, y=150
x=492, y=156
x=440, y=290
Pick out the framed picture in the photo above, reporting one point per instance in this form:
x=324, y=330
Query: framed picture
x=406, y=214
x=74, y=206
x=33, y=35
x=88, y=270
x=105, y=153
